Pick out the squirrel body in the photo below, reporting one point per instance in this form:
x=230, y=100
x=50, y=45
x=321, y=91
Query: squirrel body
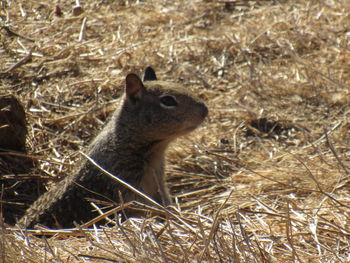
x=131, y=146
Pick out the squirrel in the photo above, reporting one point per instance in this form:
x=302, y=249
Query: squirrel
x=132, y=145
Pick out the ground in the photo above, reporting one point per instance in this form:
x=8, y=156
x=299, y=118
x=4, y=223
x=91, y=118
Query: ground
x=265, y=179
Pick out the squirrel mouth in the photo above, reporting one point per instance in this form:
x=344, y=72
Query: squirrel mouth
x=193, y=127
x=190, y=128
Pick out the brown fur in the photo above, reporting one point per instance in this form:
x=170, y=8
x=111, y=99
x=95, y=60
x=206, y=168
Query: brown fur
x=131, y=146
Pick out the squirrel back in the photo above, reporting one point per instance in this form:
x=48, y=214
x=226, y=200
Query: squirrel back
x=131, y=146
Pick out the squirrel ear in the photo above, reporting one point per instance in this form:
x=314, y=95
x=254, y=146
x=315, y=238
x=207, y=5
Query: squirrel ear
x=149, y=74
x=133, y=86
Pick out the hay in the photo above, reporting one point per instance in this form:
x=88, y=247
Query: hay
x=276, y=192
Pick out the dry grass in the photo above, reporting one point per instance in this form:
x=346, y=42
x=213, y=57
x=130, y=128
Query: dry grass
x=248, y=193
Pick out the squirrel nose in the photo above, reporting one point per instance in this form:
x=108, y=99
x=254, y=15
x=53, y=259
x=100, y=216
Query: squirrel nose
x=204, y=111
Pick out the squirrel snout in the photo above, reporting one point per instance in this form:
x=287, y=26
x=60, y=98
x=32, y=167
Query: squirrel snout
x=204, y=111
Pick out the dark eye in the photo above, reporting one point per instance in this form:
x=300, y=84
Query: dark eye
x=168, y=101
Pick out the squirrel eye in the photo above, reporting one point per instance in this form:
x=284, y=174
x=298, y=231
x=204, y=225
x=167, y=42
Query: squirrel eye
x=168, y=101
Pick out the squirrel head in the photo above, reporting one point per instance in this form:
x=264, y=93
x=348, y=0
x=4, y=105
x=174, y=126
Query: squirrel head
x=160, y=110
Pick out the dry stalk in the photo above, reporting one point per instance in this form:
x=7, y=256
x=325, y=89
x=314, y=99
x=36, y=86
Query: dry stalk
x=285, y=62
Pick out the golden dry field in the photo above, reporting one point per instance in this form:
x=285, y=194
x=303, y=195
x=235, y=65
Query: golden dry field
x=266, y=178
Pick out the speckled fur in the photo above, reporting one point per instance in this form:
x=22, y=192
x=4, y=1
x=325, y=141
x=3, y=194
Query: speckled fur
x=131, y=146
